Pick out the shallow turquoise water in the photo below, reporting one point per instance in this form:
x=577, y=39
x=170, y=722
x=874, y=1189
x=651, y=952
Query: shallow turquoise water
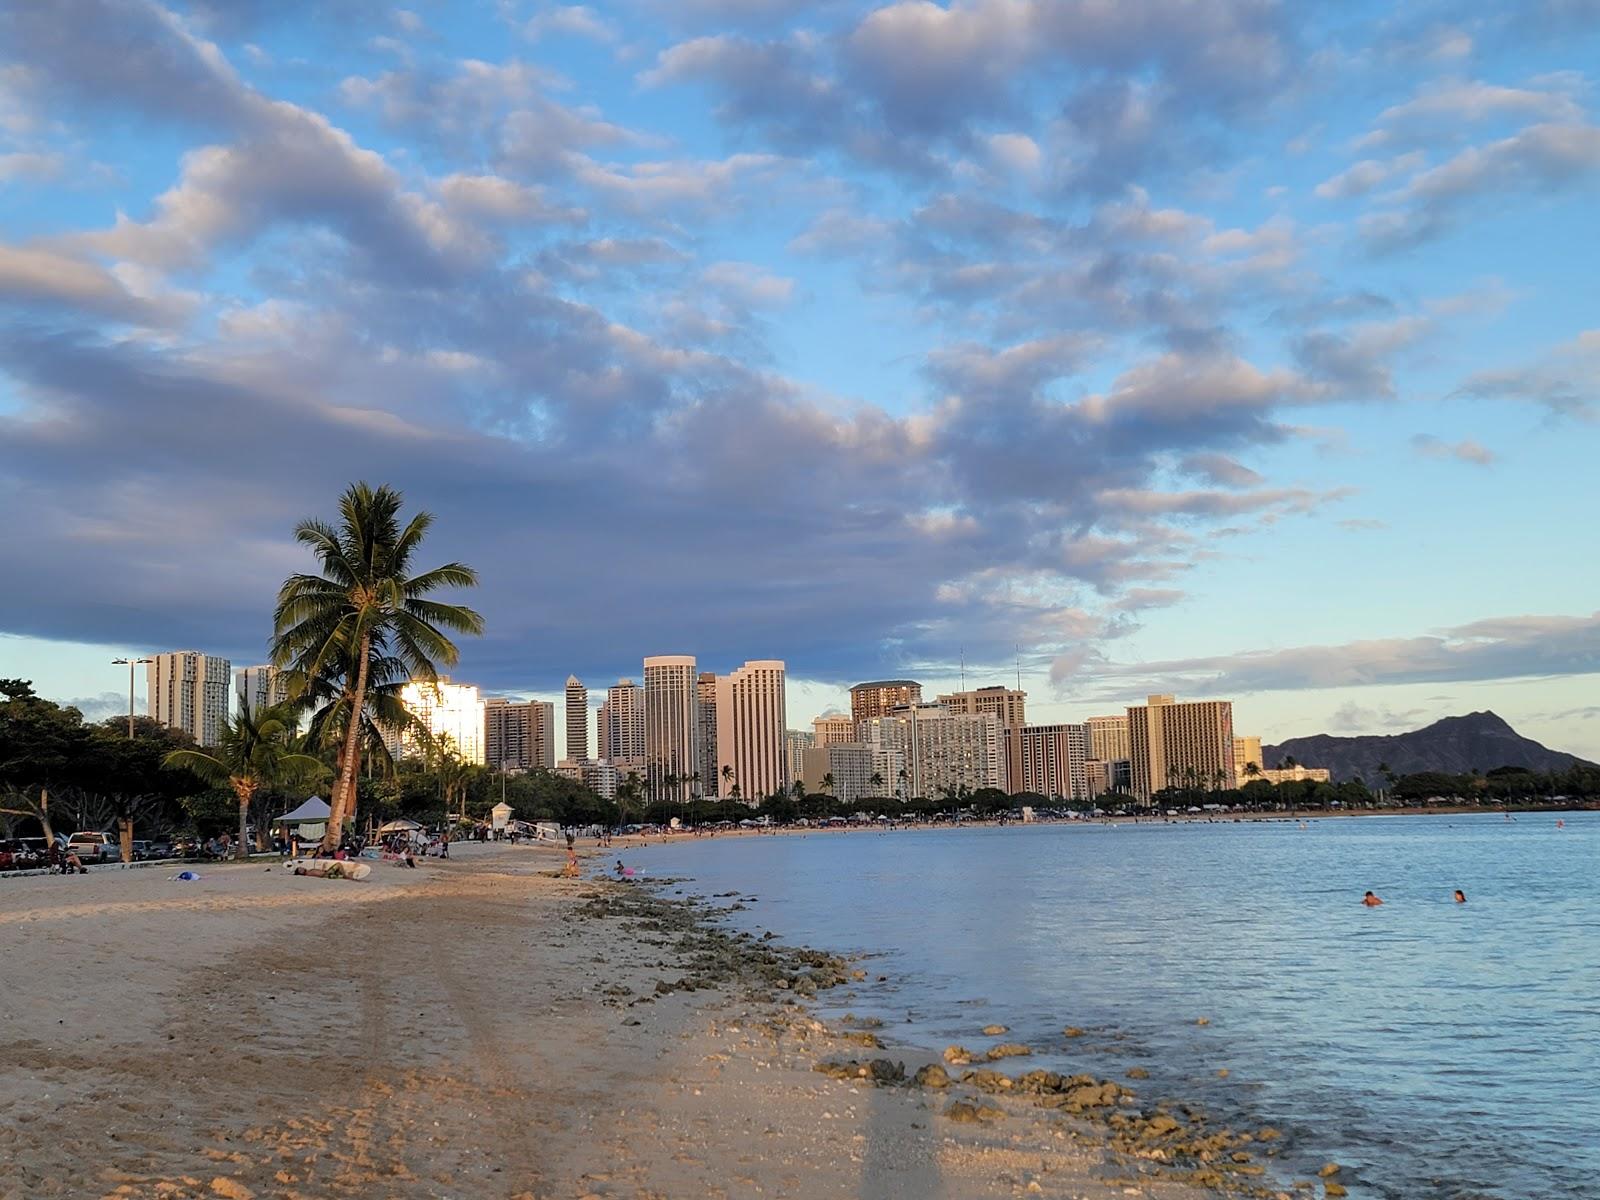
x=1440, y=1051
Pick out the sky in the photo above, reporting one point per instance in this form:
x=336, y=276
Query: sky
x=1239, y=350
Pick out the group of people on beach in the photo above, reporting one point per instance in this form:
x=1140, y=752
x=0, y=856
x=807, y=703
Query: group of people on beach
x=1372, y=900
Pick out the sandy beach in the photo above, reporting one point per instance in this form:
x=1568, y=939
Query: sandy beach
x=475, y=1028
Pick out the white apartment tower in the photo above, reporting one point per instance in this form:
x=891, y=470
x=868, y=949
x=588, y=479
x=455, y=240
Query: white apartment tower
x=751, y=725
x=671, y=722
x=620, y=738
x=260, y=687
x=452, y=713
x=943, y=751
x=577, y=719
x=188, y=690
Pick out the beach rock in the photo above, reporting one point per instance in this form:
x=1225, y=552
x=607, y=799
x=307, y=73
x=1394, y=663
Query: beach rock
x=966, y=1112
x=885, y=1072
x=994, y=1030
x=864, y=1038
x=1072, y=1031
x=1202, y=1020
x=1138, y=1073
x=957, y=1056
x=1267, y=1134
x=932, y=1076
x=1333, y=1189
x=1040, y=1082
x=1008, y=1050
x=1329, y=1169
x=986, y=1080
x=1160, y=1125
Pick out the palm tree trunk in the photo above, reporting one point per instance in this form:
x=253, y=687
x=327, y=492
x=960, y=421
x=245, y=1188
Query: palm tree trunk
x=245, y=790
x=350, y=758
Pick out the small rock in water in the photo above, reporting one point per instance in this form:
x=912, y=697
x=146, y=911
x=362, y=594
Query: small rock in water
x=958, y=1056
x=1138, y=1073
x=1072, y=1031
x=1202, y=1020
x=1329, y=1169
x=994, y=1030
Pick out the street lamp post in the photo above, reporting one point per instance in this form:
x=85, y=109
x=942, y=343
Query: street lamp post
x=130, y=663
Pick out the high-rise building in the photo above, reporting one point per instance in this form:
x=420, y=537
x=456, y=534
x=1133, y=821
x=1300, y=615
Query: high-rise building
x=1054, y=761
x=1180, y=745
x=1009, y=706
x=833, y=727
x=854, y=771
x=705, y=687
x=1108, y=737
x=874, y=699
x=519, y=736
x=944, y=752
x=796, y=742
x=751, y=722
x=260, y=687
x=577, y=719
x=621, y=732
x=188, y=690
x=671, y=722
x=1247, y=750
x=597, y=775
x=452, y=713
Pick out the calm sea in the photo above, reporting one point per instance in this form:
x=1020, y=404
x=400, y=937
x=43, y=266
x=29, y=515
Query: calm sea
x=1439, y=1051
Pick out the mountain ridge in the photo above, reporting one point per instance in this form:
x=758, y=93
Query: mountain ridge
x=1455, y=745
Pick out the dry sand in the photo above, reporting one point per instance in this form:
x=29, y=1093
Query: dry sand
x=462, y=1030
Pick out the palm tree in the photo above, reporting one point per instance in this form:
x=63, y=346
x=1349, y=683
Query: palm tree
x=1252, y=770
x=876, y=783
x=669, y=781
x=693, y=780
x=799, y=789
x=253, y=753
x=827, y=783
x=727, y=780
x=366, y=610
x=905, y=787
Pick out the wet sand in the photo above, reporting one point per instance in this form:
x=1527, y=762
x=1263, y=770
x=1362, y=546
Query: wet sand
x=470, y=1029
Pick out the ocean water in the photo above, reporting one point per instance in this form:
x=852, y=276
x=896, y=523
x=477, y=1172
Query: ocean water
x=1439, y=1051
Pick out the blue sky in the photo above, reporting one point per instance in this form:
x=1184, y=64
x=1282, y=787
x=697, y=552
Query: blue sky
x=1241, y=349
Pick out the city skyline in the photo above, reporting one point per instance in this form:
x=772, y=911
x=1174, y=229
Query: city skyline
x=1229, y=349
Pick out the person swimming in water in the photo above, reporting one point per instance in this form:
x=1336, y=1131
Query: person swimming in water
x=1461, y=897
x=1370, y=900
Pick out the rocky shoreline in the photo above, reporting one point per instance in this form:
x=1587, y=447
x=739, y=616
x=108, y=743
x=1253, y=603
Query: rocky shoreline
x=1147, y=1142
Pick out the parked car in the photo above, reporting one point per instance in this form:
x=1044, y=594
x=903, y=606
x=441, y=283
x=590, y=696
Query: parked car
x=158, y=848
x=94, y=847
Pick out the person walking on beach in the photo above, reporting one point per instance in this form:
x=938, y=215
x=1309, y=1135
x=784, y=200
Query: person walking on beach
x=571, y=871
x=1370, y=900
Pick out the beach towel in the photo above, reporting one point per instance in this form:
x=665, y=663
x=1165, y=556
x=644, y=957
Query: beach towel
x=185, y=877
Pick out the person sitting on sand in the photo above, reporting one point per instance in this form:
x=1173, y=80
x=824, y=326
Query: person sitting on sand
x=1370, y=900
x=1461, y=897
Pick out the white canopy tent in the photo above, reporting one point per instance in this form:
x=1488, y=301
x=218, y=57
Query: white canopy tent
x=306, y=824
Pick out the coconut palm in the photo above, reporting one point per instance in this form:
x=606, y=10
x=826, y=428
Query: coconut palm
x=827, y=783
x=799, y=789
x=253, y=752
x=905, y=791
x=877, y=783
x=367, y=609
x=727, y=775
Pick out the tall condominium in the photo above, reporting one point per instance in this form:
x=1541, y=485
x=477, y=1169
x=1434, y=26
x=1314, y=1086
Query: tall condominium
x=1108, y=738
x=795, y=744
x=671, y=722
x=853, y=771
x=577, y=719
x=944, y=751
x=519, y=736
x=188, y=690
x=833, y=727
x=751, y=722
x=874, y=699
x=260, y=687
x=452, y=713
x=1055, y=761
x=1009, y=707
x=620, y=737
x=1180, y=745
x=1247, y=750
x=705, y=688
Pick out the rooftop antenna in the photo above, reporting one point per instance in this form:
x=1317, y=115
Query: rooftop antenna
x=963, y=668
x=1018, y=650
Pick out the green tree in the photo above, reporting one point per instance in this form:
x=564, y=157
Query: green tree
x=367, y=609
x=827, y=783
x=876, y=782
x=253, y=753
x=42, y=750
